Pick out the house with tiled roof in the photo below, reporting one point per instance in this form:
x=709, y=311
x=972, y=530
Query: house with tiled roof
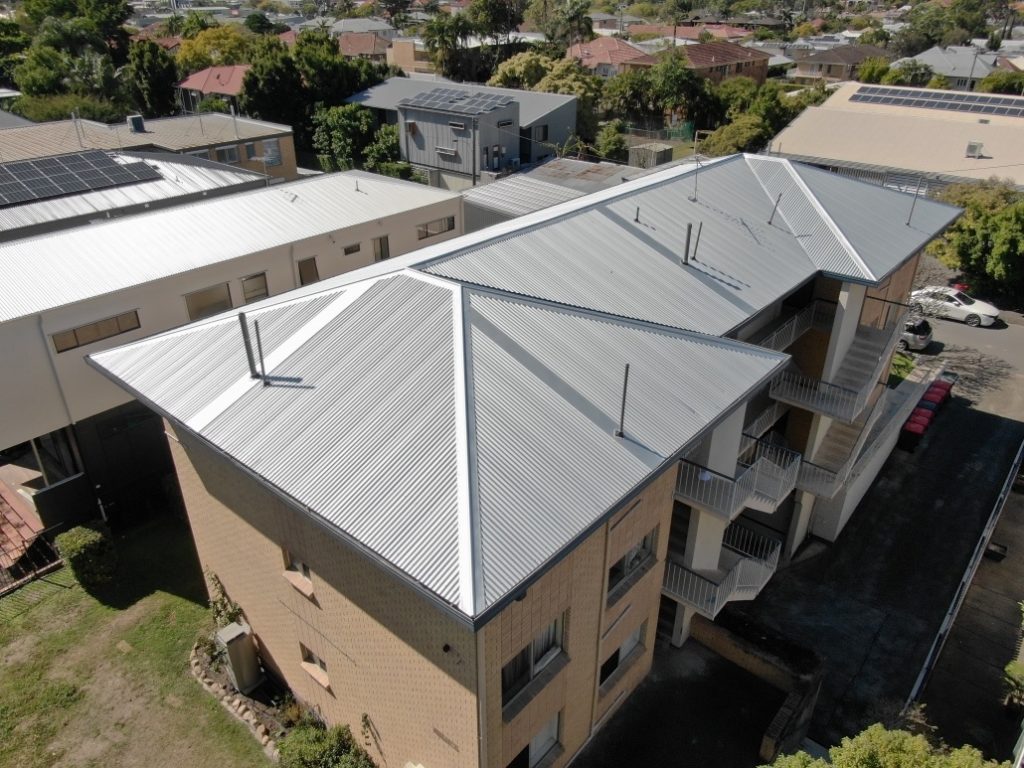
x=363, y=45
x=607, y=56
x=222, y=82
x=718, y=60
x=836, y=64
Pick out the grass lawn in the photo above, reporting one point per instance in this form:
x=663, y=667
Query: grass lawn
x=104, y=681
x=902, y=365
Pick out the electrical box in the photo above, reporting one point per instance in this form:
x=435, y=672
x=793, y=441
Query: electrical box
x=243, y=664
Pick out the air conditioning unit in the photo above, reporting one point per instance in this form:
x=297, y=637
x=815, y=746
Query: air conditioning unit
x=243, y=665
x=974, y=149
x=136, y=123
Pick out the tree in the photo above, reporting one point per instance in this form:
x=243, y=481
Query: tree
x=874, y=36
x=736, y=95
x=524, y=71
x=328, y=77
x=259, y=24
x=878, y=747
x=341, y=134
x=611, y=142
x=383, y=150
x=745, y=134
x=272, y=89
x=13, y=42
x=43, y=72
x=497, y=19
x=629, y=95
x=987, y=242
x=71, y=36
x=872, y=70
x=93, y=74
x=994, y=42
x=445, y=36
x=568, y=77
x=150, y=79
x=395, y=10
x=216, y=46
x=679, y=90
x=938, y=82
x=196, y=22
x=909, y=72
x=1003, y=81
x=42, y=109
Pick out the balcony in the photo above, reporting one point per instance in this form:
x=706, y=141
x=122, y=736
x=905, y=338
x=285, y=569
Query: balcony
x=768, y=474
x=747, y=561
x=848, y=394
x=817, y=314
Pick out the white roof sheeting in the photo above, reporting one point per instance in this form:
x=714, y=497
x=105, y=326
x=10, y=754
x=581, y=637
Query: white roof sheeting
x=382, y=386
x=518, y=194
x=54, y=270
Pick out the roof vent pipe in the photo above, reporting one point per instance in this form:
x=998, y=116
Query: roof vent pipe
x=636, y=219
x=622, y=411
x=686, y=250
x=774, y=209
x=248, y=345
x=700, y=226
x=259, y=348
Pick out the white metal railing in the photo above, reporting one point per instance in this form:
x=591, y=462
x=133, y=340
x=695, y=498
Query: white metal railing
x=714, y=491
x=765, y=419
x=817, y=313
x=899, y=415
x=830, y=399
x=751, y=560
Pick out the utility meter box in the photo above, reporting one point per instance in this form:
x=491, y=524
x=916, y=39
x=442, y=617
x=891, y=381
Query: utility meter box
x=243, y=665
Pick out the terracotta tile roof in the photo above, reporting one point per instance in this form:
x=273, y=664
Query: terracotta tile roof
x=288, y=37
x=223, y=81
x=362, y=44
x=607, y=50
x=719, y=31
x=704, y=55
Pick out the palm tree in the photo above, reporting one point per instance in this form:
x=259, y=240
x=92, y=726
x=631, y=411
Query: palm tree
x=445, y=36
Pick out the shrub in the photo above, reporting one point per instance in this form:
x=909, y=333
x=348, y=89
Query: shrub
x=311, y=745
x=89, y=553
x=1013, y=674
x=225, y=610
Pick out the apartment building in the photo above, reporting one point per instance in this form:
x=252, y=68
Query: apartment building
x=92, y=287
x=454, y=492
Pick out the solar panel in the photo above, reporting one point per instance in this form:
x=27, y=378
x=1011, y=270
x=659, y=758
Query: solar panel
x=49, y=177
x=974, y=103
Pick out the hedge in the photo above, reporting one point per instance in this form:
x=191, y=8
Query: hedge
x=89, y=552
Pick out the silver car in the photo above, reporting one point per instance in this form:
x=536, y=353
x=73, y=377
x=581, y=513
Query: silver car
x=917, y=335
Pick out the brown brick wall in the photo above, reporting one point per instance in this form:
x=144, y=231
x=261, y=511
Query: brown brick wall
x=383, y=642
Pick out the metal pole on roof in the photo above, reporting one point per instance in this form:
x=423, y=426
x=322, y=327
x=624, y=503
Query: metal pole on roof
x=916, y=190
x=622, y=412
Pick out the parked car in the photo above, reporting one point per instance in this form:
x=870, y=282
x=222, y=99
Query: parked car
x=917, y=335
x=942, y=301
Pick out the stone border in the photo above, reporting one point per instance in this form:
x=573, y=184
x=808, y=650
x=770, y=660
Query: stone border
x=235, y=704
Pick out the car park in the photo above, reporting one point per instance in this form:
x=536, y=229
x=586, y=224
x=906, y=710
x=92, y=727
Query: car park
x=952, y=304
x=916, y=336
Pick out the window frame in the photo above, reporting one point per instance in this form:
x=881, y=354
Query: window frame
x=316, y=270
x=635, y=559
x=436, y=227
x=381, y=248
x=314, y=665
x=229, y=149
x=246, y=299
x=534, y=665
x=100, y=336
x=203, y=316
x=272, y=152
x=351, y=248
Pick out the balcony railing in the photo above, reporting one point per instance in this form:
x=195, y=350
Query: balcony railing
x=818, y=314
x=775, y=472
x=747, y=562
x=714, y=491
x=830, y=399
x=765, y=419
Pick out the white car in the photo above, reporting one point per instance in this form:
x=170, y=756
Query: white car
x=941, y=301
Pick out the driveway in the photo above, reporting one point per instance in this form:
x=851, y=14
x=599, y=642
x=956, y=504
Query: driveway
x=871, y=604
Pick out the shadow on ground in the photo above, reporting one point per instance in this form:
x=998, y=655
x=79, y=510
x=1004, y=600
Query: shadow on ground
x=694, y=710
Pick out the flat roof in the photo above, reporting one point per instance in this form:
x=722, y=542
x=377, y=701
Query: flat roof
x=66, y=267
x=533, y=105
x=905, y=138
x=174, y=134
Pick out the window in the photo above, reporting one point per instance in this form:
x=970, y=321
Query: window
x=254, y=287
x=315, y=666
x=271, y=152
x=435, y=227
x=381, y=250
x=447, y=151
x=456, y=126
x=539, y=746
x=208, y=301
x=634, y=560
x=350, y=249
x=308, y=273
x=622, y=653
x=531, y=661
x=227, y=154
x=101, y=329
x=297, y=573
x=540, y=133
x=250, y=150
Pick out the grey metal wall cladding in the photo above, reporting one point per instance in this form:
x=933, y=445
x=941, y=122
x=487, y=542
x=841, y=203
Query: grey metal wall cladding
x=875, y=220
x=546, y=394
x=601, y=257
x=363, y=429
x=199, y=362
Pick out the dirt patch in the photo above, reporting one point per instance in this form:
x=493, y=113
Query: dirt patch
x=19, y=651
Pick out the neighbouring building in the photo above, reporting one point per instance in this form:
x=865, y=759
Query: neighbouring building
x=459, y=489
x=608, y=56
x=910, y=138
x=540, y=122
x=411, y=56
x=834, y=64
x=93, y=287
x=375, y=26
x=252, y=145
x=964, y=66
x=720, y=60
x=364, y=45
x=220, y=82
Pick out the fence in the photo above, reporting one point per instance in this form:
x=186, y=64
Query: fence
x=21, y=562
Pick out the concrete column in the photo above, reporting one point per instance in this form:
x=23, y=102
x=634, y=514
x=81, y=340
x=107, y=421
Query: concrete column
x=681, y=624
x=704, y=540
x=851, y=301
x=724, y=446
x=799, y=524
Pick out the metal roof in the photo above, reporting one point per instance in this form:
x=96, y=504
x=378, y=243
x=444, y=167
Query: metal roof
x=459, y=101
x=49, y=271
x=533, y=105
x=518, y=194
x=437, y=426
x=179, y=177
x=621, y=250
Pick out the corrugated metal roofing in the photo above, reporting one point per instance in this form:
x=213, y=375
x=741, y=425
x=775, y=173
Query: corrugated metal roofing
x=62, y=268
x=181, y=176
x=518, y=194
x=381, y=387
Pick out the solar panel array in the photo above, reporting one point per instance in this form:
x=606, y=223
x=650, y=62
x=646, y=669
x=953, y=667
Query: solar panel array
x=951, y=101
x=48, y=177
x=461, y=102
